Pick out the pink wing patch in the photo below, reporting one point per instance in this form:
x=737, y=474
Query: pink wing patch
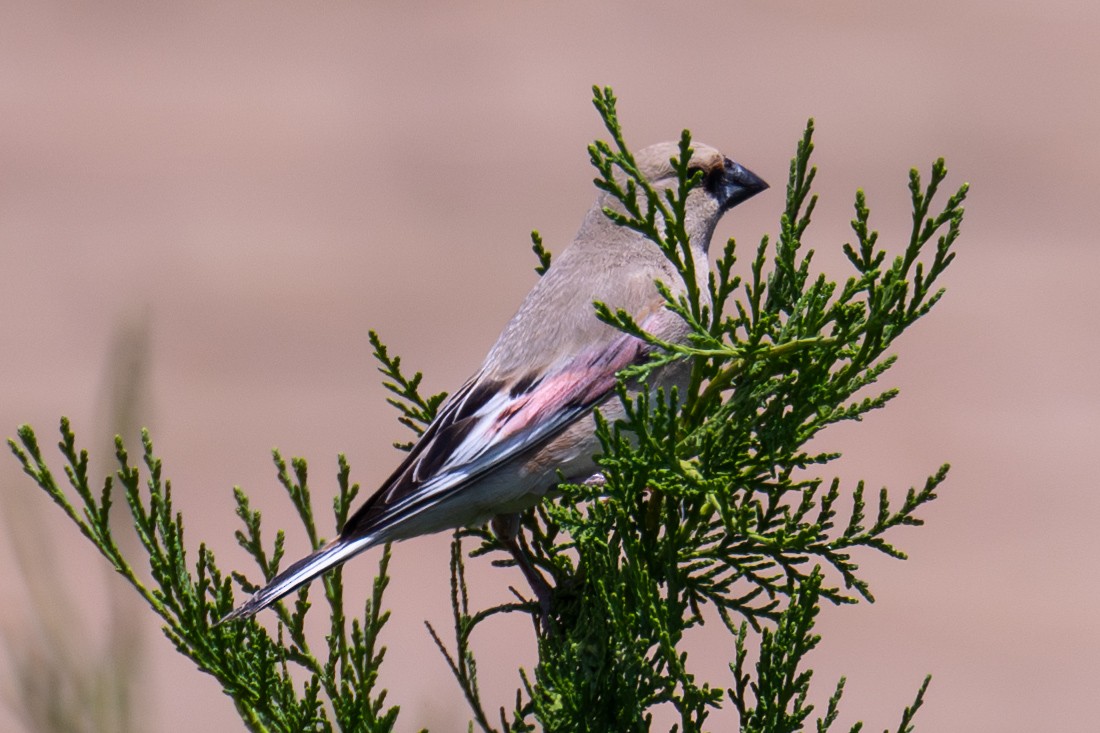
x=486, y=423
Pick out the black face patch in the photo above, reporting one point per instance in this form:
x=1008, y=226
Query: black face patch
x=712, y=182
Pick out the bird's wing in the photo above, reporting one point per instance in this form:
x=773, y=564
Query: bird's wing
x=489, y=421
x=485, y=423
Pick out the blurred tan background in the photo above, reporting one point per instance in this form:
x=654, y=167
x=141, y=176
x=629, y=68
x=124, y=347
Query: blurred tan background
x=259, y=184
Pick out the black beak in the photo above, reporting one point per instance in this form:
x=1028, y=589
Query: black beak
x=733, y=184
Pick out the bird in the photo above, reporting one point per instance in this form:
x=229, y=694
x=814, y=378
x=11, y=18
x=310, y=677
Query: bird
x=524, y=422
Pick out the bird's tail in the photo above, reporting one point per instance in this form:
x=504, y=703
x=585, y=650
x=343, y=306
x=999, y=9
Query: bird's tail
x=300, y=573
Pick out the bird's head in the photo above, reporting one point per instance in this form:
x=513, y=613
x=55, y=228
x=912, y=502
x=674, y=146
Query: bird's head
x=725, y=182
x=724, y=185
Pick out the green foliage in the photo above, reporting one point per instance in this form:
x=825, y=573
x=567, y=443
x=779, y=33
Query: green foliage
x=66, y=670
x=710, y=497
x=541, y=253
x=416, y=412
x=254, y=668
x=710, y=504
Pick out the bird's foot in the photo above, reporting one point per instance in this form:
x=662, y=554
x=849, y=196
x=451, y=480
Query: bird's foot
x=506, y=528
